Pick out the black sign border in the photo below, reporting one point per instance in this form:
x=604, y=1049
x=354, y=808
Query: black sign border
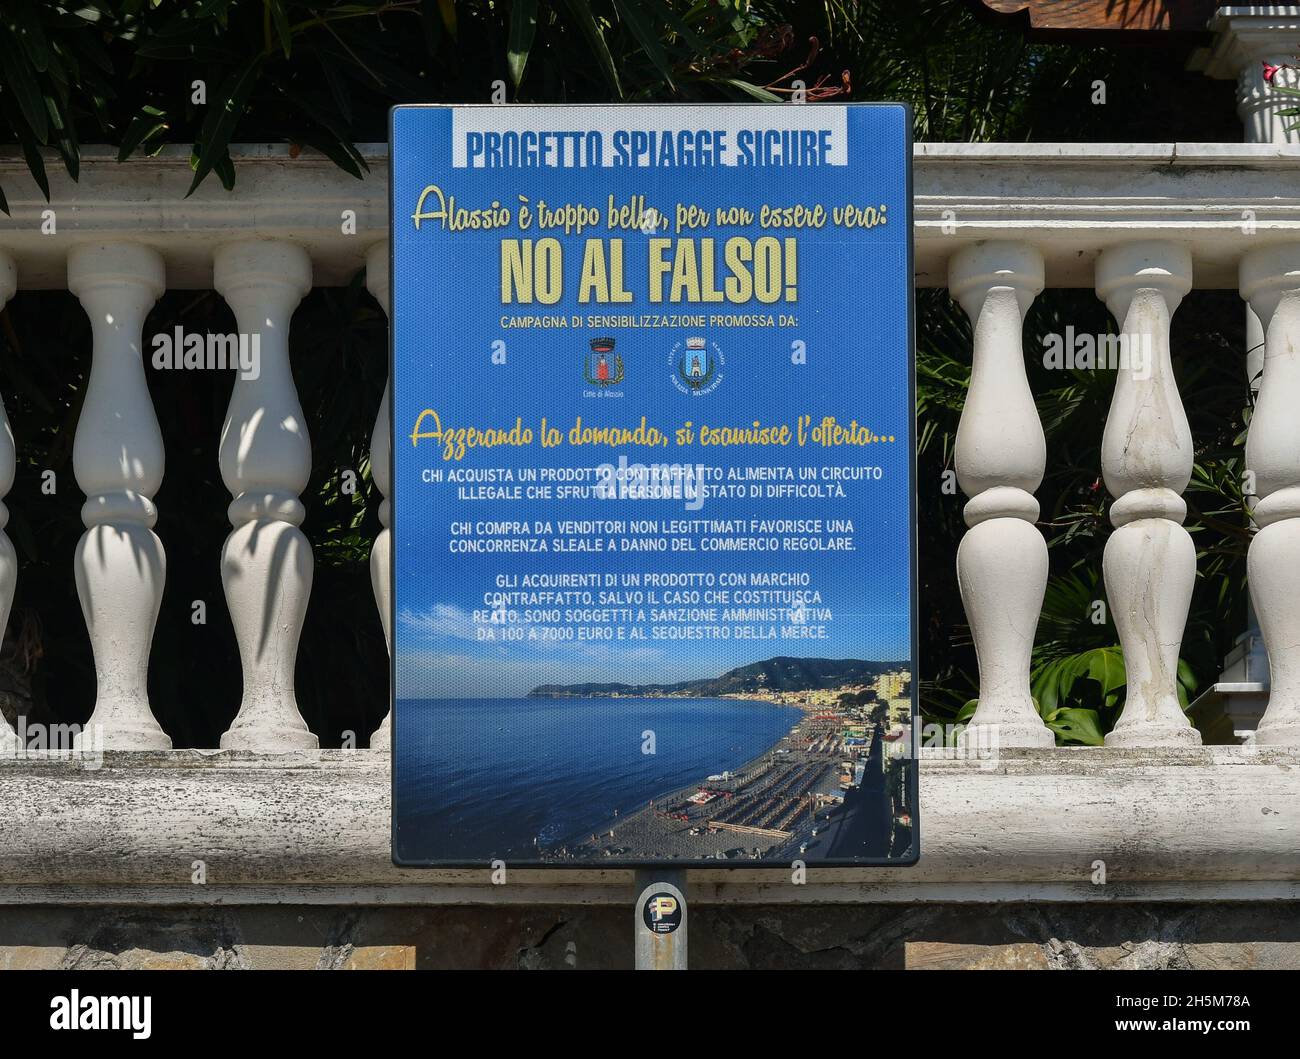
x=614, y=863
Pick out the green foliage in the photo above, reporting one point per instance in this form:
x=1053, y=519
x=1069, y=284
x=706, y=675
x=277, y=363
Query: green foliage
x=55, y=75
x=1096, y=679
x=143, y=73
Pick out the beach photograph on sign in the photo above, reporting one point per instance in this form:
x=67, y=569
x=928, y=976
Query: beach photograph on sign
x=653, y=422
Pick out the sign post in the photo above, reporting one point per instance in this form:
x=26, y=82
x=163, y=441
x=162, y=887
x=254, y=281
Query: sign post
x=660, y=920
x=653, y=500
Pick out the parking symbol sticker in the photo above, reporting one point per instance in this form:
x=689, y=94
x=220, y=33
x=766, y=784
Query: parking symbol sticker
x=662, y=914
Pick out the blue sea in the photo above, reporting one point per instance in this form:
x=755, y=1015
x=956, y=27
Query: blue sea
x=490, y=778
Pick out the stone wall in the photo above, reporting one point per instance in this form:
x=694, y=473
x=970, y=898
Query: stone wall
x=1041, y=858
x=1017, y=936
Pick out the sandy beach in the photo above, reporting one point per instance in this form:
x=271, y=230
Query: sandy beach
x=780, y=805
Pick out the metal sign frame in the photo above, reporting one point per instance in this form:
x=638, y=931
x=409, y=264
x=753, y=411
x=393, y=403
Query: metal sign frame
x=912, y=780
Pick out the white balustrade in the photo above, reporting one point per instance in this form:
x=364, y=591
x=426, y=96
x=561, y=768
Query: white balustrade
x=1146, y=456
x=117, y=457
x=380, y=450
x=8, y=557
x=1270, y=280
x=1000, y=455
x=1002, y=560
x=265, y=457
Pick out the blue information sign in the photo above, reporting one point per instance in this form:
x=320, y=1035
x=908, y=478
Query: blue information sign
x=653, y=485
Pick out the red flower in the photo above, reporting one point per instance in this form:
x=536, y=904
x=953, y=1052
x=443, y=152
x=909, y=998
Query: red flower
x=1270, y=72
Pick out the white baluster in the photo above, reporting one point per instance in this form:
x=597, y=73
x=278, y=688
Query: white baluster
x=1000, y=454
x=8, y=557
x=1258, y=100
x=1146, y=458
x=380, y=449
x=1270, y=279
x=117, y=457
x=1246, y=36
x=265, y=456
